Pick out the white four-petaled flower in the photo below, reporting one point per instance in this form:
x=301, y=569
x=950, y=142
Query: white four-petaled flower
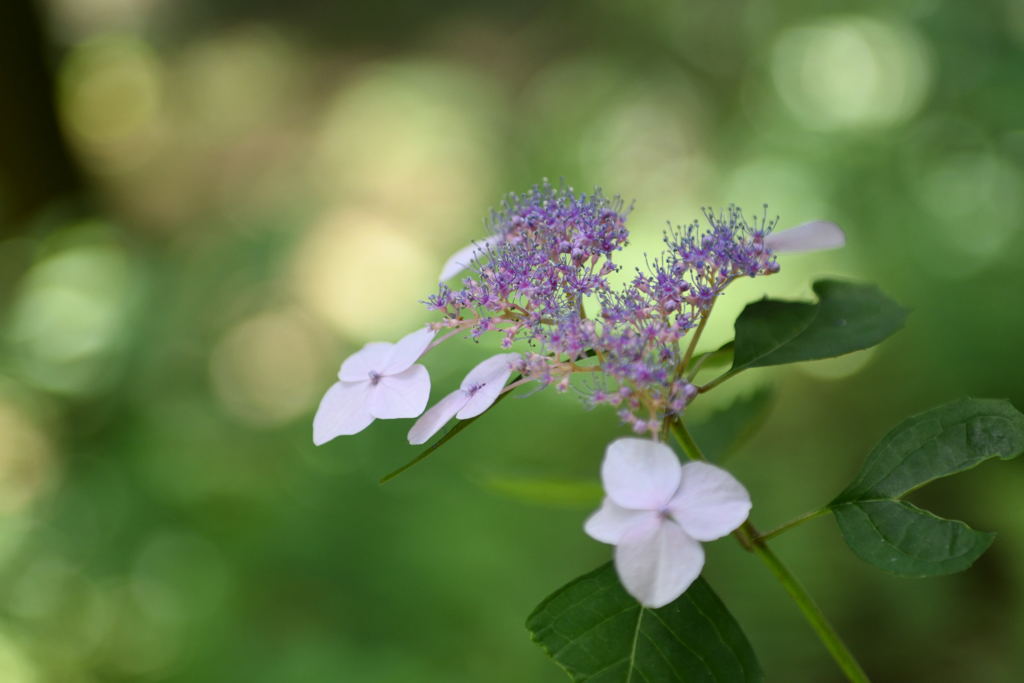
x=656, y=513
x=813, y=236
x=381, y=380
x=478, y=391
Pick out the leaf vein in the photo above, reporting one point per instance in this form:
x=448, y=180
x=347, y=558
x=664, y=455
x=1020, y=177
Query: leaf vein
x=684, y=644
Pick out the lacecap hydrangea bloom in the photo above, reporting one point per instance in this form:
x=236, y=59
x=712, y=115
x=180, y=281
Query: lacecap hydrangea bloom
x=541, y=281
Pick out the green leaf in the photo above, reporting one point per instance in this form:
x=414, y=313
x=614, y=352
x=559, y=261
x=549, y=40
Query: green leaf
x=599, y=634
x=893, y=534
x=766, y=326
x=939, y=442
x=848, y=317
x=906, y=540
x=545, y=491
x=727, y=429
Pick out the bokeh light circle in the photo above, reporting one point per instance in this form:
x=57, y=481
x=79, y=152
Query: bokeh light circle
x=110, y=94
x=266, y=369
x=363, y=274
x=851, y=72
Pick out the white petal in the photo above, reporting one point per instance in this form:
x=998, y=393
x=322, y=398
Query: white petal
x=640, y=474
x=401, y=395
x=611, y=522
x=408, y=350
x=435, y=418
x=710, y=502
x=807, y=237
x=658, y=563
x=342, y=411
x=371, y=358
x=490, y=369
x=485, y=382
x=461, y=259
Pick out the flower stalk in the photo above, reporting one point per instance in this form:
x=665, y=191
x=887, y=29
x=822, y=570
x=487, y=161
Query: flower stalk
x=814, y=514
x=809, y=608
x=754, y=542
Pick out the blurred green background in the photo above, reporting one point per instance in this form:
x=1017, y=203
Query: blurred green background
x=207, y=204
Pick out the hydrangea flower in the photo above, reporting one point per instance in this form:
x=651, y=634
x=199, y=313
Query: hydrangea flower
x=657, y=512
x=547, y=260
x=381, y=380
x=478, y=391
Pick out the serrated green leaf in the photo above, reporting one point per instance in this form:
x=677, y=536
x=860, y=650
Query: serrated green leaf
x=848, y=317
x=599, y=634
x=895, y=535
x=727, y=429
x=906, y=540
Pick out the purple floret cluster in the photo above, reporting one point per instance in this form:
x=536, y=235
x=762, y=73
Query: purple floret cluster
x=550, y=249
x=543, y=278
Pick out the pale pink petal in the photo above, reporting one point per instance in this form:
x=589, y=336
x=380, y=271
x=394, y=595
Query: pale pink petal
x=640, y=474
x=435, y=418
x=656, y=563
x=371, y=358
x=342, y=411
x=461, y=259
x=489, y=369
x=485, y=382
x=811, y=236
x=408, y=350
x=401, y=395
x=611, y=522
x=710, y=502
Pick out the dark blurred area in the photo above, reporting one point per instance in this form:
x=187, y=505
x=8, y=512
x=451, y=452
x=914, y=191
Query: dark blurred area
x=205, y=206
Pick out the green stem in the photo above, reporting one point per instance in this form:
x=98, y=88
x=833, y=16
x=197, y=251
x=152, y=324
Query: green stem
x=693, y=342
x=686, y=442
x=718, y=380
x=750, y=539
x=812, y=613
x=814, y=514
